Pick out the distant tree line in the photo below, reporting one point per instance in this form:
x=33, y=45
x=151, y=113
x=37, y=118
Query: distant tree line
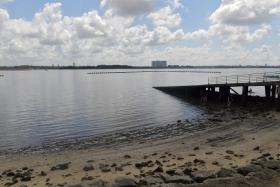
x=30, y=67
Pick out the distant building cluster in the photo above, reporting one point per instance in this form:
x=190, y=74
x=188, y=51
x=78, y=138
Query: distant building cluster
x=159, y=64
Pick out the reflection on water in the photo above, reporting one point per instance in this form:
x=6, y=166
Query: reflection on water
x=48, y=106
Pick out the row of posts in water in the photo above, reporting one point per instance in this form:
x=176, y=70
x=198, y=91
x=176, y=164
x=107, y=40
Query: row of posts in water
x=124, y=72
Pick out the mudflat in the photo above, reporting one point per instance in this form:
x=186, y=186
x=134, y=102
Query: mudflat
x=229, y=147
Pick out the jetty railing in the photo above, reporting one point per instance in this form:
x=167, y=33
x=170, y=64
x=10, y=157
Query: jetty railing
x=246, y=78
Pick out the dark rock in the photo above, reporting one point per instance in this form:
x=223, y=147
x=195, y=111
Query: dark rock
x=230, y=152
x=187, y=171
x=127, y=156
x=248, y=169
x=178, y=179
x=88, y=167
x=76, y=185
x=158, y=169
x=272, y=164
x=10, y=174
x=209, y=153
x=264, y=155
x=158, y=163
x=100, y=183
x=171, y=172
x=142, y=182
x=63, y=166
x=198, y=161
x=87, y=178
x=43, y=174
x=26, y=178
x=225, y=173
x=118, y=169
x=153, y=180
x=104, y=168
x=257, y=148
x=200, y=176
x=227, y=157
x=18, y=175
x=144, y=164
x=264, y=175
x=196, y=148
x=68, y=175
x=215, y=163
x=215, y=120
x=125, y=182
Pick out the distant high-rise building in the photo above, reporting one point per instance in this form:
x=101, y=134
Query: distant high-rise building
x=159, y=64
x=74, y=64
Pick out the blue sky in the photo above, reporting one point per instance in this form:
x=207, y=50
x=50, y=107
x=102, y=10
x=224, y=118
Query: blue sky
x=201, y=32
x=27, y=8
x=195, y=16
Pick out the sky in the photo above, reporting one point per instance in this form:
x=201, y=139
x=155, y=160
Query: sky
x=135, y=32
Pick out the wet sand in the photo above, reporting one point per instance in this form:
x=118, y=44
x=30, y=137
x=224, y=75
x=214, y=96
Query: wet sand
x=230, y=147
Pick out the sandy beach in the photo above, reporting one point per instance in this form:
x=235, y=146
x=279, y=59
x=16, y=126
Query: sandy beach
x=229, y=147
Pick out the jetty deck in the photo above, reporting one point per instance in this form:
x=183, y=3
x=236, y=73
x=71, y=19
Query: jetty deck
x=223, y=86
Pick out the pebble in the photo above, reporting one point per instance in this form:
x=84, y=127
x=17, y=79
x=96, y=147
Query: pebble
x=62, y=166
x=88, y=167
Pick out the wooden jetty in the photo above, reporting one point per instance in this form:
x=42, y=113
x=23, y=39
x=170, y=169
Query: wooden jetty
x=222, y=87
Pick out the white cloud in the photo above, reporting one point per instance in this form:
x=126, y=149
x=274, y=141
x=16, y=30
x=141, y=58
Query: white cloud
x=246, y=12
x=90, y=25
x=207, y=55
x=57, y=38
x=176, y=4
x=166, y=17
x=110, y=37
x=4, y=15
x=129, y=7
x=238, y=34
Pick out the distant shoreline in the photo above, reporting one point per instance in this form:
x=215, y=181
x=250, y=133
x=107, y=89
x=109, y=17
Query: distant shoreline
x=100, y=67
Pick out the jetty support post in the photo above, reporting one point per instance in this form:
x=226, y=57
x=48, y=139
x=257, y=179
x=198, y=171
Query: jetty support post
x=224, y=93
x=267, y=91
x=273, y=92
x=278, y=98
x=278, y=93
x=245, y=90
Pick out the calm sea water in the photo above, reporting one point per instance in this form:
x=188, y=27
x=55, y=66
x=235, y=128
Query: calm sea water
x=40, y=107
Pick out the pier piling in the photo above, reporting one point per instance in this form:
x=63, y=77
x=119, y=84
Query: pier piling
x=245, y=90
